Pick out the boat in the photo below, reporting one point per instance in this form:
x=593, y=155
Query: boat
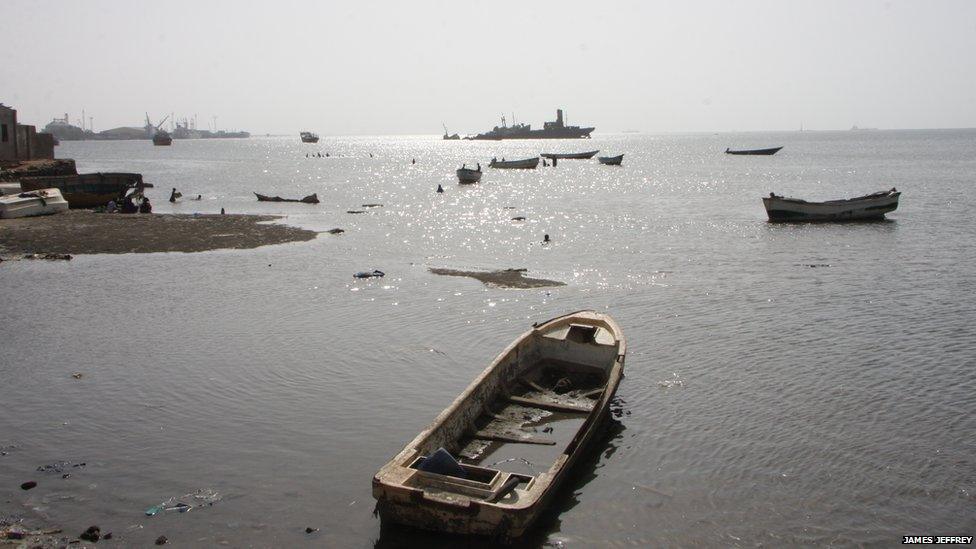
x=310, y=199
x=31, y=203
x=558, y=378
x=527, y=164
x=763, y=152
x=88, y=190
x=611, y=160
x=556, y=129
x=162, y=138
x=569, y=156
x=452, y=137
x=467, y=175
x=869, y=206
x=309, y=137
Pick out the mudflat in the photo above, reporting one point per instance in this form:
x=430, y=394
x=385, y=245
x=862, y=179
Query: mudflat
x=87, y=232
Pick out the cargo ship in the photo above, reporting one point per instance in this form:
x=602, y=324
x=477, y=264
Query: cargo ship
x=556, y=129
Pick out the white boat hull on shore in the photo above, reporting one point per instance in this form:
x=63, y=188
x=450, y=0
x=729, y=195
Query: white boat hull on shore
x=29, y=204
x=872, y=206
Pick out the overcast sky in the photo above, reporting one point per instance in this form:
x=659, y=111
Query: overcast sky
x=390, y=67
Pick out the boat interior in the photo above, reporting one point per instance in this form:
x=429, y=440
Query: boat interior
x=524, y=417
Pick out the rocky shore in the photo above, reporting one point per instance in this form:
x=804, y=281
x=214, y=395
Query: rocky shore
x=87, y=232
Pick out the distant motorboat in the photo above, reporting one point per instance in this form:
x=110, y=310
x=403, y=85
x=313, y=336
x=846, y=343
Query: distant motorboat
x=762, y=152
x=611, y=160
x=467, y=175
x=527, y=164
x=310, y=199
x=870, y=206
x=31, y=203
x=569, y=156
x=309, y=137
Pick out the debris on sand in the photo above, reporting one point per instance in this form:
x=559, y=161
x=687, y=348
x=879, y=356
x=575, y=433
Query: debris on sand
x=506, y=278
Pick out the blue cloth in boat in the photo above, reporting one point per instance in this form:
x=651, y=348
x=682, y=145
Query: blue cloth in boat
x=442, y=463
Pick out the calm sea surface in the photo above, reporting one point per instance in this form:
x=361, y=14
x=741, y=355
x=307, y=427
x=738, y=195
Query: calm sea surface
x=786, y=384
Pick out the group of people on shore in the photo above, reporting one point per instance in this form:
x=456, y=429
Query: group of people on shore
x=129, y=205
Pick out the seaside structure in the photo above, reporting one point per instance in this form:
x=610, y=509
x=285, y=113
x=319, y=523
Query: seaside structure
x=20, y=142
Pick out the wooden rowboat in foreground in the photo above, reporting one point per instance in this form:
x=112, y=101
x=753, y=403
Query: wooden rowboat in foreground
x=492, y=460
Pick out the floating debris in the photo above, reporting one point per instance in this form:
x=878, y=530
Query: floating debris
x=355, y=211
x=28, y=485
x=673, y=382
x=369, y=274
x=519, y=218
x=336, y=231
x=51, y=257
x=506, y=278
x=372, y=205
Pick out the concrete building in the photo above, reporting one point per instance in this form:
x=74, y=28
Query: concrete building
x=8, y=133
x=19, y=142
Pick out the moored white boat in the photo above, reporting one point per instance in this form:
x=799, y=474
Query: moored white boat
x=31, y=203
x=527, y=164
x=570, y=156
x=562, y=374
x=871, y=206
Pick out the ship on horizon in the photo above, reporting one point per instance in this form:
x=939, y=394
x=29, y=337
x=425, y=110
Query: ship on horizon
x=556, y=129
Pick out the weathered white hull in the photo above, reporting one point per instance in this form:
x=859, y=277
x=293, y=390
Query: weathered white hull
x=527, y=164
x=872, y=206
x=466, y=176
x=28, y=204
x=585, y=343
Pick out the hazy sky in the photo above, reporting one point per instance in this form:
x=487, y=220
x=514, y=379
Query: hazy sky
x=388, y=67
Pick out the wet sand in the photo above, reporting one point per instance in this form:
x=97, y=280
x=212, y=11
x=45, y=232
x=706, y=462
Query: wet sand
x=87, y=232
x=505, y=278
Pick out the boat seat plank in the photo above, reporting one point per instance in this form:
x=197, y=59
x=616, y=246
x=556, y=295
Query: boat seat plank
x=507, y=438
x=546, y=405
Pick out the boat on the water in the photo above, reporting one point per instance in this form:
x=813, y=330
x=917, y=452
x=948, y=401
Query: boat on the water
x=556, y=129
x=88, y=190
x=31, y=203
x=467, y=175
x=309, y=137
x=611, y=160
x=569, y=156
x=761, y=152
x=456, y=476
x=870, y=206
x=162, y=138
x=527, y=164
x=310, y=199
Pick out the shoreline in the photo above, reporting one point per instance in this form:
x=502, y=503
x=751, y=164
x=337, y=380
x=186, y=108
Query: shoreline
x=81, y=232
